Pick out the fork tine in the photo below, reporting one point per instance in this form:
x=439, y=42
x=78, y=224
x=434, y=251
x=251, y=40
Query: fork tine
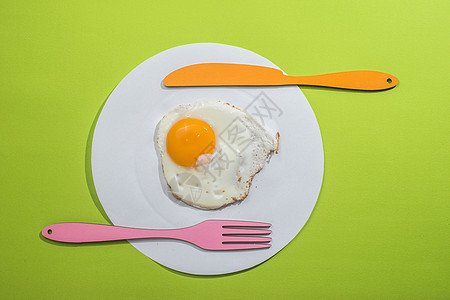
x=227, y=231
x=243, y=246
x=245, y=224
x=245, y=239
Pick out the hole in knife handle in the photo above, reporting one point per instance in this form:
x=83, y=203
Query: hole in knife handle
x=389, y=80
x=49, y=231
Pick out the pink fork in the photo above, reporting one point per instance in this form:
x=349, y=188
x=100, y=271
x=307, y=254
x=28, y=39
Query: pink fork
x=209, y=235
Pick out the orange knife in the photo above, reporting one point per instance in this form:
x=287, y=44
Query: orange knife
x=224, y=74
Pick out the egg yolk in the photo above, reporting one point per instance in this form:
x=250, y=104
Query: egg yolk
x=188, y=139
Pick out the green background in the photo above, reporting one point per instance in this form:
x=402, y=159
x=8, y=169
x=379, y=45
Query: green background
x=381, y=224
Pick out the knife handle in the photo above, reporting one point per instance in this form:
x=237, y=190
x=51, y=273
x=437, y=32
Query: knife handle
x=354, y=80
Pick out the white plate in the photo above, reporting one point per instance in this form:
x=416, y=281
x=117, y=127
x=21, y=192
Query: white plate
x=127, y=174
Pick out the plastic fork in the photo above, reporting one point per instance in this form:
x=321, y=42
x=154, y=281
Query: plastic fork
x=209, y=235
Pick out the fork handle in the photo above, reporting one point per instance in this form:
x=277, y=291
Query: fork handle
x=86, y=232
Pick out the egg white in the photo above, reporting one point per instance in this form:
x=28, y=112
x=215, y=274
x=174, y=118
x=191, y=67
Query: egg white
x=241, y=150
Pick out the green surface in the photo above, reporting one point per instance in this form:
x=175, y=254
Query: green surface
x=380, y=228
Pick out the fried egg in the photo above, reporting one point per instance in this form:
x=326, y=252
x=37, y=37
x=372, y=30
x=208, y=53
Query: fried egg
x=210, y=152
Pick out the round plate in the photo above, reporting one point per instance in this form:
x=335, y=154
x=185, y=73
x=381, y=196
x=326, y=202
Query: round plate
x=128, y=177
